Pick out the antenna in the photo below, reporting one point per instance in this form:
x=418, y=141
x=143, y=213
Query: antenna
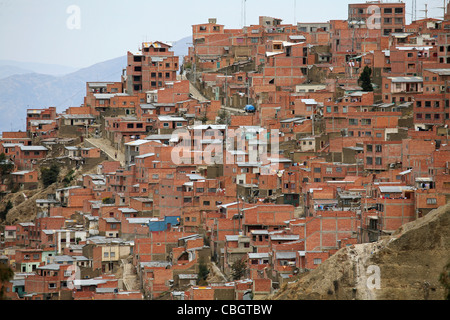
x=444, y=7
x=245, y=13
x=426, y=11
x=295, y=11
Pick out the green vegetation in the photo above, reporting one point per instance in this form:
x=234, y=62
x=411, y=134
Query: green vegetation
x=224, y=117
x=6, y=274
x=4, y=212
x=6, y=166
x=366, y=80
x=50, y=175
x=444, y=279
x=108, y=200
x=203, y=273
x=68, y=178
x=238, y=269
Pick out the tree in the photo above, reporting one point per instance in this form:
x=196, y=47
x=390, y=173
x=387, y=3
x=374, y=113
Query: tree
x=203, y=272
x=50, y=175
x=4, y=212
x=68, y=178
x=444, y=279
x=365, y=79
x=238, y=269
x=224, y=117
x=6, y=274
x=6, y=166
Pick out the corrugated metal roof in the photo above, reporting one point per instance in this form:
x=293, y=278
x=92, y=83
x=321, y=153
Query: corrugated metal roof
x=406, y=79
x=261, y=255
x=285, y=255
x=394, y=189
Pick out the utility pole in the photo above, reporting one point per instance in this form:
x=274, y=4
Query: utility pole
x=226, y=88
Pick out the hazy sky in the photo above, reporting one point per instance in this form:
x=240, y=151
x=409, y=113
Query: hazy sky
x=79, y=33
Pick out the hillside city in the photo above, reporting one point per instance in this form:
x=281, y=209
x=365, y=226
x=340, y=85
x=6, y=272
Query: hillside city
x=234, y=170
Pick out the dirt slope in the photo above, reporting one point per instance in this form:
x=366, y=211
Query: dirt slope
x=410, y=263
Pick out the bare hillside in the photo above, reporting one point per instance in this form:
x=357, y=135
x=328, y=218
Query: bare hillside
x=409, y=264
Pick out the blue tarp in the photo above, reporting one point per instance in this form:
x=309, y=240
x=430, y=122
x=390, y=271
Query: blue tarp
x=162, y=224
x=250, y=108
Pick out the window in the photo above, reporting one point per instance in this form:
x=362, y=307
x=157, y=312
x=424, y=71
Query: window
x=378, y=148
x=398, y=10
x=329, y=170
x=369, y=148
x=353, y=122
x=369, y=160
x=388, y=10
x=317, y=261
x=431, y=201
x=106, y=255
x=206, y=203
x=200, y=190
x=378, y=161
x=317, y=170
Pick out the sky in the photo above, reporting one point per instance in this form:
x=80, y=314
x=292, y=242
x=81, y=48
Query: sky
x=80, y=33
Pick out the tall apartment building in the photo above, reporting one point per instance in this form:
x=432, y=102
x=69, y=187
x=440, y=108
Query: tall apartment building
x=151, y=67
x=388, y=17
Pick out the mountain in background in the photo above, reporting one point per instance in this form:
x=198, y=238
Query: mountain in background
x=7, y=71
x=181, y=47
x=26, y=90
x=7, y=68
x=33, y=90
